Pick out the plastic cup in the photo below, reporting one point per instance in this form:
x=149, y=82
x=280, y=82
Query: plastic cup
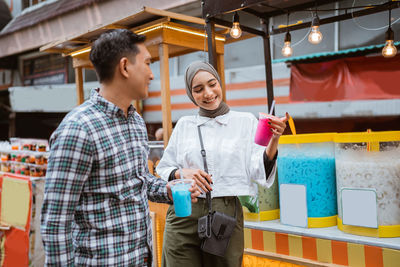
x=263, y=132
x=181, y=197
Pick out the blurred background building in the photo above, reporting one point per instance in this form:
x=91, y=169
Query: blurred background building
x=37, y=89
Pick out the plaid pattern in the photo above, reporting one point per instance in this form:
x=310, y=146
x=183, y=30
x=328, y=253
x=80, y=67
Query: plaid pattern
x=95, y=210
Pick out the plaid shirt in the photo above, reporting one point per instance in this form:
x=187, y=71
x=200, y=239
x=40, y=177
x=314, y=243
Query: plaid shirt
x=95, y=210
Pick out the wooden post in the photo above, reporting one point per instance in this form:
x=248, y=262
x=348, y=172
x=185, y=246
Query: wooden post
x=12, y=125
x=165, y=92
x=79, y=85
x=268, y=63
x=221, y=72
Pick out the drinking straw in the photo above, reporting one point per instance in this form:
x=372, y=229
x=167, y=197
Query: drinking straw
x=272, y=107
x=291, y=125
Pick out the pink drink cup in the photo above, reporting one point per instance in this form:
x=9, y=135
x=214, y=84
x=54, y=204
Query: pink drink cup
x=263, y=132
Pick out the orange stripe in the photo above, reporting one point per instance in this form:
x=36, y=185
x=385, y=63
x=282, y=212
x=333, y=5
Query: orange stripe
x=257, y=239
x=309, y=248
x=232, y=103
x=231, y=87
x=282, y=243
x=172, y=92
x=373, y=256
x=339, y=253
x=256, y=101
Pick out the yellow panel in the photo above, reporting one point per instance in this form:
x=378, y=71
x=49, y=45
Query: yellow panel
x=15, y=198
x=391, y=257
x=295, y=246
x=324, y=250
x=247, y=238
x=269, y=241
x=356, y=255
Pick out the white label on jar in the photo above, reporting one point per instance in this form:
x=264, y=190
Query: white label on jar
x=359, y=207
x=293, y=204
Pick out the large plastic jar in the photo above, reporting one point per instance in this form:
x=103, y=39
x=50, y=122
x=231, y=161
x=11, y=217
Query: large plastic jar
x=370, y=161
x=309, y=160
x=264, y=206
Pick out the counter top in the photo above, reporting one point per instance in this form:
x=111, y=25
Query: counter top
x=332, y=233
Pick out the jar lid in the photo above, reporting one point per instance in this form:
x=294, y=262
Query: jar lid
x=306, y=138
x=384, y=136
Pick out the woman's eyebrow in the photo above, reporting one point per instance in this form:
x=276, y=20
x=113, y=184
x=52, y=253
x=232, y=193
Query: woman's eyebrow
x=199, y=85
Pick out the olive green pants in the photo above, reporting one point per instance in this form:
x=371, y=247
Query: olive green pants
x=181, y=246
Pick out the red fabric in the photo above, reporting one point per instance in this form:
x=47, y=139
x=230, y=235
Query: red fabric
x=16, y=245
x=16, y=248
x=346, y=79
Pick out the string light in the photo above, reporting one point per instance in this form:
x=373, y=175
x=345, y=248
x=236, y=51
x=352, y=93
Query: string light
x=287, y=50
x=315, y=36
x=389, y=50
x=236, y=32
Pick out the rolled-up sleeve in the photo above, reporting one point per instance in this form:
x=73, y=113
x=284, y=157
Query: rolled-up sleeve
x=68, y=169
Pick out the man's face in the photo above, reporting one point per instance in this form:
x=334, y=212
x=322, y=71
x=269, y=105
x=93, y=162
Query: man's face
x=140, y=74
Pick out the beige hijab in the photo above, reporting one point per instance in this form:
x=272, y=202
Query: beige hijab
x=191, y=71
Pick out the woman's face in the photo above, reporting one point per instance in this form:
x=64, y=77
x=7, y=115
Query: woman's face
x=206, y=90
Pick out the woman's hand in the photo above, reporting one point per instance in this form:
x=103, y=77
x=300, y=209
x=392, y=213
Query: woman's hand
x=278, y=125
x=202, y=179
x=194, y=192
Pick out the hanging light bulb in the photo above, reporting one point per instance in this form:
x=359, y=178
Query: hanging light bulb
x=315, y=36
x=287, y=50
x=389, y=50
x=236, y=32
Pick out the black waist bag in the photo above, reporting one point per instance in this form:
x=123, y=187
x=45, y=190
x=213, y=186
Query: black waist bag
x=216, y=235
x=216, y=228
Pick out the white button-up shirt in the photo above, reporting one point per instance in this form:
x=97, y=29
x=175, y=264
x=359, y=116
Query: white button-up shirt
x=234, y=160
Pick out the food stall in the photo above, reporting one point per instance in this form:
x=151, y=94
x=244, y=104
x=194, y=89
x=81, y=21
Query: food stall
x=168, y=35
x=309, y=235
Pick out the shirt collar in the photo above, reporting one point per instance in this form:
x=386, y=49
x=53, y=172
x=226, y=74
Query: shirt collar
x=223, y=119
x=107, y=107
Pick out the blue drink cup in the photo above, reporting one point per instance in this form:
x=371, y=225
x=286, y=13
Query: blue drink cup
x=181, y=197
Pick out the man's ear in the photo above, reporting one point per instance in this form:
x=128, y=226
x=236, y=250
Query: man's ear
x=123, y=67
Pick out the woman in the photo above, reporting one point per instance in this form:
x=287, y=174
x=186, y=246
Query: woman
x=234, y=162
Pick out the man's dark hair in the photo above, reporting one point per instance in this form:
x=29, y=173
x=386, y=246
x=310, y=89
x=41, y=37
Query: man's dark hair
x=110, y=47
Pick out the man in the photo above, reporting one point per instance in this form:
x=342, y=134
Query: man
x=95, y=210
x=159, y=134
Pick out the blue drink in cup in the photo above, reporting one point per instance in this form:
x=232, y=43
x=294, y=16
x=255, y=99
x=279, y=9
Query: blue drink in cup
x=181, y=197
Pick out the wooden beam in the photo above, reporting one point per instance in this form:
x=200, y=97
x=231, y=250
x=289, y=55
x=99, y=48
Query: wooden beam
x=57, y=50
x=150, y=24
x=79, y=85
x=165, y=93
x=80, y=62
x=191, y=41
x=173, y=15
x=114, y=27
x=221, y=72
